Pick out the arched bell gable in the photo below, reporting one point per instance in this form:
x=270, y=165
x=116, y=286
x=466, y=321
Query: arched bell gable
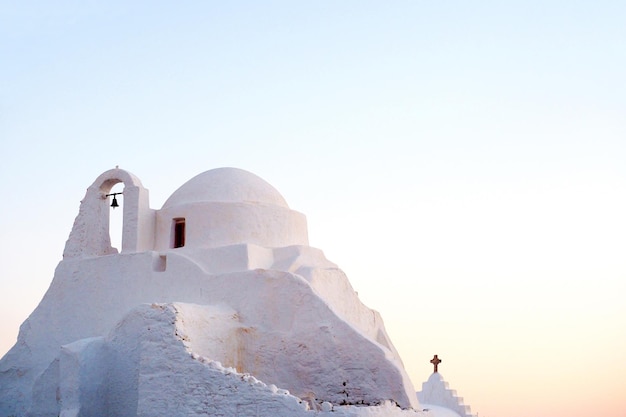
x=90, y=233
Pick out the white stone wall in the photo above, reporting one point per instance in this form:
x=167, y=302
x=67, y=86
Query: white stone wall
x=436, y=391
x=90, y=233
x=216, y=224
x=248, y=291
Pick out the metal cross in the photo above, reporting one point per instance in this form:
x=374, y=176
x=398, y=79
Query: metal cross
x=435, y=361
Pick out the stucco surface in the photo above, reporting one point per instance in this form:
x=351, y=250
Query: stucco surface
x=226, y=185
x=436, y=392
x=119, y=333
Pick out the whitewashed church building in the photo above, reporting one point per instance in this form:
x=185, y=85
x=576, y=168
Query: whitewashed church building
x=216, y=305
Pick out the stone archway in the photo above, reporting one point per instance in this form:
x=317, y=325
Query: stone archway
x=90, y=233
x=116, y=214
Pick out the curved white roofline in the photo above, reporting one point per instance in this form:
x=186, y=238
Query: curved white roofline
x=226, y=185
x=90, y=232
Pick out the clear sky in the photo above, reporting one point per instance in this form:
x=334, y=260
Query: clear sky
x=463, y=162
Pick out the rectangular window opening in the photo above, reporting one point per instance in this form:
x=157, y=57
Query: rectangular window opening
x=179, y=232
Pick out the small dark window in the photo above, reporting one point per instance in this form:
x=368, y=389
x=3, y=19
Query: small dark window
x=179, y=233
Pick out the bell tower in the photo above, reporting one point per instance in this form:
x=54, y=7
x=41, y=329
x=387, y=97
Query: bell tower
x=90, y=233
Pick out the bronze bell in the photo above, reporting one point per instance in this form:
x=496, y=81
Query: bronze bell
x=114, y=202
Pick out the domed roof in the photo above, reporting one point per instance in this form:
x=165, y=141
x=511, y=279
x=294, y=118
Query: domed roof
x=230, y=185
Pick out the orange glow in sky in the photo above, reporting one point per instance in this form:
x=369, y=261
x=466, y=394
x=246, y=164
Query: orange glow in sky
x=462, y=162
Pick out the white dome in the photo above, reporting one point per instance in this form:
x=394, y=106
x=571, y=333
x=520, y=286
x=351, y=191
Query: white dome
x=229, y=206
x=226, y=185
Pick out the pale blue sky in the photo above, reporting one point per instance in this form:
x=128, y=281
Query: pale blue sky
x=463, y=162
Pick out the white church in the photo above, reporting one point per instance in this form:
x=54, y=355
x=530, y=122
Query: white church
x=216, y=305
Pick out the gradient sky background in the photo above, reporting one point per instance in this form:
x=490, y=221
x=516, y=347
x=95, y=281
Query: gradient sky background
x=463, y=162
